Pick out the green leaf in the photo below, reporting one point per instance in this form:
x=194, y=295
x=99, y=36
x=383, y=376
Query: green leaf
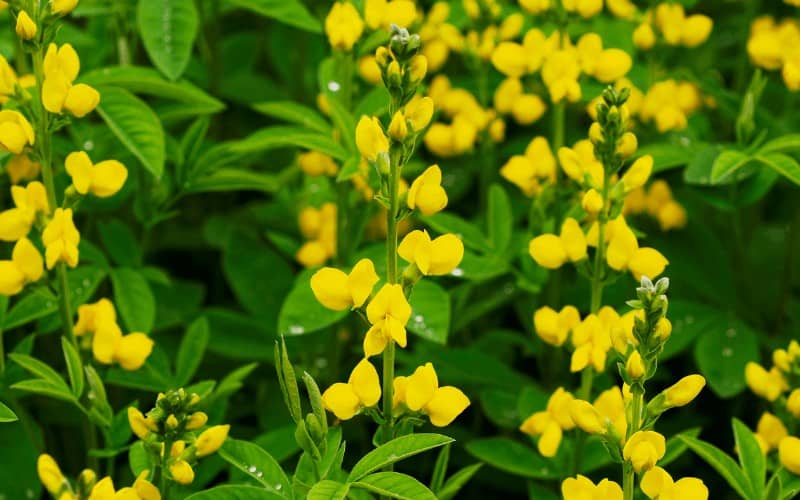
x=238, y=336
x=46, y=388
x=430, y=315
x=39, y=302
x=233, y=179
x=279, y=441
x=120, y=242
x=135, y=125
x=470, y=235
x=283, y=136
x=457, y=481
x=667, y=155
x=751, y=458
x=726, y=164
x=328, y=490
x=234, y=492
x=783, y=164
x=500, y=218
x=676, y=447
x=138, y=459
x=100, y=410
x=190, y=353
x=396, y=450
x=722, y=353
x=74, y=367
x=301, y=311
x=783, y=144
x=774, y=487
x=38, y=368
x=722, y=463
x=513, y=457
x=142, y=80
x=291, y=12
x=168, y=29
x=6, y=415
x=395, y=485
x=258, y=464
x=293, y=112
x=134, y=299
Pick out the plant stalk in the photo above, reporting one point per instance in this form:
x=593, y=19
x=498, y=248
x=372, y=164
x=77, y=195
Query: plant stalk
x=629, y=475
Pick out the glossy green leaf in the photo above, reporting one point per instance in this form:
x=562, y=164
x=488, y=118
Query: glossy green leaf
x=752, y=460
x=134, y=299
x=6, y=415
x=301, y=311
x=500, y=218
x=396, y=450
x=191, y=351
x=723, y=464
x=328, y=490
x=46, y=388
x=293, y=112
x=258, y=464
x=430, y=312
x=722, y=353
x=38, y=368
x=457, y=481
x=783, y=164
x=234, y=492
x=783, y=144
x=513, y=457
x=168, y=29
x=74, y=367
x=395, y=485
x=283, y=136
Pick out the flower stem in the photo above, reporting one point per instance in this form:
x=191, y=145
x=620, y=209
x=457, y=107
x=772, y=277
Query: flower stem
x=629, y=476
x=584, y=393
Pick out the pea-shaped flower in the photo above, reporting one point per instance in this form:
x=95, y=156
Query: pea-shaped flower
x=581, y=487
x=102, y=180
x=657, y=483
x=15, y=131
x=61, y=239
x=338, y=291
x=433, y=257
x=25, y=266
x=644, y=449
x=388, y=312
x=550, y=423
x=421, y=393
x=362, y=390
x=16, y=223
x=426, y=193
x=61, y=67
x=211, y=439
x=370, y=139
x=789, y=454
x=551, y=251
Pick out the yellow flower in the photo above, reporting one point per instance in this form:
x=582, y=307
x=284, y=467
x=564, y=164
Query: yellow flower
x=535, y=6
x=8, y=80
x=49, y=473
x=627, y=144
x=15, y=223
x=61, y=239
x=789, y=453
x=579, y=163
x=417, y=68
x=145, y=489
x=550, y=423
x=644, y=449
x=22, y=168
x=362, y=390
x=768, y=385
x=132, y=350
x=793, y=403
x=103, y=180
x=553, y=327
x=343, y=26
x=26, y=266
x=370, y=138
x=511, y=59
x=196, y=420
x=90, y=316
x=638, y=173
x=644, y=37
x=592, y=202
x=338, y=291
x=695, y=30
x=611, y=65
x=15, y=132
x=26, y=28
x=592, y=340
x=388, y=312
x=62, y=7
x=610, y=405
x=582, y=488
x=684, y=390
x=382, y=14
x=528, y=108
x=771, y=431
x=418, y=113
x=551, y=251
x=657, y=483
x=585, y=8
x=398, y=128
x=587, y=417
x=506, y=94
x=140, y=425
x=61, y=67
x=624, y=253
x=211, y=439
x=624, y=9
x=426, y=193
x=423, y=394
x=560, y=74
x=314, y=163
x=635, y=366
x=103, y=490
x=432, y=257
x=181, y=472
x=369, y=70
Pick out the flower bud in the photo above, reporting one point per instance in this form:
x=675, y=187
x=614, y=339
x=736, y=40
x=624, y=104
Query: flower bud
x=789, y=453
x=586, y=417
x=62, y=7
x=26, y=28
x=181, y=472
x=592, y=202
x=211, y=439
x=370, y=138
x=627, y=144
x=638, y=173
x=793, y=403
x=138, y=422
x=644, y=449
x=177, y=448
x=596, y=133
x=172, y=422
x=644, y=37
x=196, y=420
x=635, y=366
x=663, y=329
x=398, y=129
x=684, y=391
x=49, y=473
x=394, y=74
x=417, y=68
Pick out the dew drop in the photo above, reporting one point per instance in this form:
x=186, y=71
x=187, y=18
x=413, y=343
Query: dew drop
x=88, y=145
x=727, y=352
x=419, y=319
x=259, y=474
x=334, y=86
x=458, y=272
x=278, y=486
x=296, y=329
x=251, y=469
x=730, y=333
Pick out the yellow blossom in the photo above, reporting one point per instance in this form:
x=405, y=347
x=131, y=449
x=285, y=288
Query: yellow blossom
x=90, y=316
x=789, y=454
x=582, y=488
x=22, y=168
x=49, y=473
x=343, y=26
x=103, y=180
x=550, y=423
x=15, y=132
x=196, y=420
x=418, y=113
x=644, y=449
x=657, y=483
x=644, y=37
x=592, y=340
x=551, y=251
x=16, y=223
x=684, y=391
x=369, y=70
x=140, y=425
x=26, y=28
x=388, y=312
x=635, y=366
x=770, y=431
x=768, y=385
x=528, y=108
x=62, y=7
x=535, y=6
x=383, y=13
x=61, y=67
x=510, y=58
x=211, y=439
x=132, y=350
x=426, y=193
x=421, y=393
x=314, y=163
x=181, y=472
x=638, y=173
x=553, y=327
x=793, y=403
x=362, y=390
x=26, y=266
x=592, y=202
x=61, y=239
x=435, y=257
x=560, y=73
x=339, y=291
x=370, y=138
x=586, y=417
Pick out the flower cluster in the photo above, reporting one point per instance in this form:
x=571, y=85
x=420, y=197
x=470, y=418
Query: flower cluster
x=318, y=226
x=674, y=26
x=776, y=46
x=169, y=433
x=780, y=386
x=657, y=202
x=87, y=487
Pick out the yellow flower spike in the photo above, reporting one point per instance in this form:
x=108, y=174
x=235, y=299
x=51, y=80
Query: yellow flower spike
x=419, y=112
x=635, y=366
x=139, y=423
x=627, y=144
x=370, y=138
x=592, y=202
x=145, y=489
x=771, y=430
x=211, y=439
x=132, y=351
x=793, y=403
x=103, y=490
x=196, y=420
x=21, y=168
x=528, y=108
x=90, y=316
x=789, y=454
x=62, y=7
x=644, y=38
x=587, y=417
x=433, y=257
x=548, y=251
x=582, y=488
x=426, y=192
x=103, y=180
x=388, y=312
x=695, y=30
x=181, y=472
x=636, y=176
x=644, y=449
x=398, y=129
x=61, y=67
x=684, y=390
x=338, y=291
x=26, y=28
x=611, y=65
x=49, y=473
x=16, y=132
x=511, y=59
x=573, y=240
x=343, y=26
x=61, y=239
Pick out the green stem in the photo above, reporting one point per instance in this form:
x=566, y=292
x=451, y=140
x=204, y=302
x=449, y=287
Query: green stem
x=91, y=443
x=584, y=393
x=598, y=281
x=559, y=112
x=163, y=482
x=629, y=476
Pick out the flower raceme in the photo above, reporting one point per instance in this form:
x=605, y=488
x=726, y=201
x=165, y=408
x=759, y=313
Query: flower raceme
x=103, y=179
x=550, y=423
x=362, y=390
x=61, y=67
x=61, y=239
x=432, y=257
x=388, y=312
x=339, y=291
x=26, y=266
x=420, y=392
x=551, y=251
x=30, y=201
